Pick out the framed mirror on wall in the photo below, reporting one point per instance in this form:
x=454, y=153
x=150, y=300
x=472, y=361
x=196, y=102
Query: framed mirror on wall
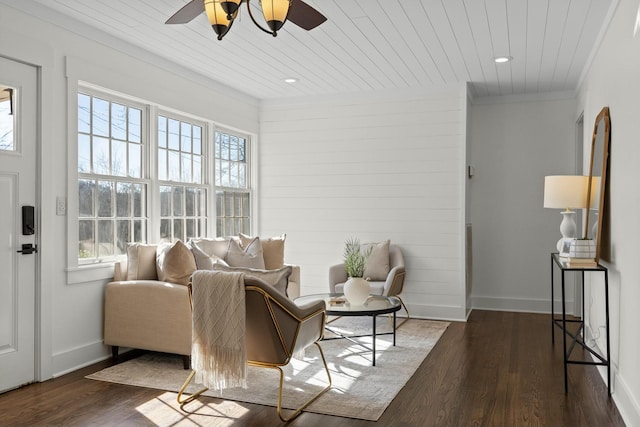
x=597, y=184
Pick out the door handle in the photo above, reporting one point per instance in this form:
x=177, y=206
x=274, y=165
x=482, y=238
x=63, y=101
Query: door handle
x=28, y=249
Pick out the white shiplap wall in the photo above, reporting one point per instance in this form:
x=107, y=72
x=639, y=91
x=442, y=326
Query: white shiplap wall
x=374, y=167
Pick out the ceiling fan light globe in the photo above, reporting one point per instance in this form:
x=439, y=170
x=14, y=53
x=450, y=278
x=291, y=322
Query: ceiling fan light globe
x=217, y=16
x=275, y=13
x=231, y=7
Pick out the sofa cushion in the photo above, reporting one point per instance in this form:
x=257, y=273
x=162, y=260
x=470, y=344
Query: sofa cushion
x=211, y=247
x=249, y=257
x=141, y=262
x=377, y=266
x=278, y=278
x=272, y=249
x=204, y=261
x=175, y=263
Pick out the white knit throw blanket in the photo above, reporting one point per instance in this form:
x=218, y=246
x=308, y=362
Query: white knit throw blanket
x=218, y=354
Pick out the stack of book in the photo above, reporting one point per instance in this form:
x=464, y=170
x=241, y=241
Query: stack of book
x=579, y=262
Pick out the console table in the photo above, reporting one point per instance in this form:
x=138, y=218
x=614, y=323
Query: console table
x=578, y=336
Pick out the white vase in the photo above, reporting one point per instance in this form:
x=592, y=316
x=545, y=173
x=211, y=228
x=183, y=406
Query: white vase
x=356, y=290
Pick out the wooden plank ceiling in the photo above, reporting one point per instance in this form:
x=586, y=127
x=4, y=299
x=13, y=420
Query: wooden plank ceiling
x=366, y=45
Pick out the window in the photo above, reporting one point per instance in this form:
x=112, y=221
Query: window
x=183, y=192
x=6, y=118
x=112, y=195
x=139, y=186
x=233, y=210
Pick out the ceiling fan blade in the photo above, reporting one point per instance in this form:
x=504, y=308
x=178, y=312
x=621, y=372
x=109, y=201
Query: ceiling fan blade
x=188, y=12
x=305, y=16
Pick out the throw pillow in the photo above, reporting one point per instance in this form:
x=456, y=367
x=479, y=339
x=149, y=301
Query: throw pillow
x=279, y=278
x=203, y=260
x=141, y=262
x=377, y=266
x=272, y=249
x=217, y=246
x=175, y=263
x=250, y=257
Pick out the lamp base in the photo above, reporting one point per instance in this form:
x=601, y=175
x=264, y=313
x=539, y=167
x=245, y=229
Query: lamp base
x=567, y=229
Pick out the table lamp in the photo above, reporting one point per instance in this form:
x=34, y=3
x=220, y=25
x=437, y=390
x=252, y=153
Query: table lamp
x=566, y=192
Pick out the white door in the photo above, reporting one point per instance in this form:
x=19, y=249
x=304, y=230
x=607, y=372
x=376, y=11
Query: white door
x=18, y=99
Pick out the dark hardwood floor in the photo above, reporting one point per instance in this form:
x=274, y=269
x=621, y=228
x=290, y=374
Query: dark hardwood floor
x=498, y=369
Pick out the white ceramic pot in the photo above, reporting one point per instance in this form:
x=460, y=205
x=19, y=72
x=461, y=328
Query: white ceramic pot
x=356, y=290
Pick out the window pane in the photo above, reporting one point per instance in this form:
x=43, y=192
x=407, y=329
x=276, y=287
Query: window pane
x=191, y=229
x=219, y=227
x=219, y=204
x=197, y=140
x=228, y=204
x=190, y=202
x=202, y=203
x=101, y=162
x=135, y=124
x=86, y=242
x=84, y=113
x=100, y=117
x=165, y=200
x=185, y=134
x=123, y=200
x=123, y=236
x=237, y=206
x=178, y=204
x=165, y=229
x=138, y=235
x=174, y=134
x=186, y=168
x=105, y=238
x=178, y=232
x=118, y=121
x=242, y=175
x=162, y=131
x=105, y=199
x=84, y=154
x=86, y=194
x=197, y=170
x=135, y=160
x=233, y=148
x=218, y=172
x=174, y=166
x=242, y=143
x=118, y=158
x=137, y=200
x=162, y=164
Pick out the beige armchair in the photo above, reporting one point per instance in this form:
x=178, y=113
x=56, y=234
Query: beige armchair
x=276, y=329
x=392, y=286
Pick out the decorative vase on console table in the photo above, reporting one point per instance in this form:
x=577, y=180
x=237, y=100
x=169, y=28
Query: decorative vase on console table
x=356, y=289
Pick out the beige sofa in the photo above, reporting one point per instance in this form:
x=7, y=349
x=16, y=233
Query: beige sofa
x=143, y=312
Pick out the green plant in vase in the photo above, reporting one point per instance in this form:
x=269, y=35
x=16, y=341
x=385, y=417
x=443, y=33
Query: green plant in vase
x=356, y=289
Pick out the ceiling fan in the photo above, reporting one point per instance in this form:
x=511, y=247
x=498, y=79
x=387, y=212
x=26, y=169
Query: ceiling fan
x=221, y=14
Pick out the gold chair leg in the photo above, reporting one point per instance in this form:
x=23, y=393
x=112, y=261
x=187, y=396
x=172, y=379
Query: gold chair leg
x=308, y=402
x=192, y=397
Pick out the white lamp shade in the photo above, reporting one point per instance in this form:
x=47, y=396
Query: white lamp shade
x=565, y=191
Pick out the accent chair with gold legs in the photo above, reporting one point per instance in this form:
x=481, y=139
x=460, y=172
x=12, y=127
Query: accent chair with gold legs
x=276, y=329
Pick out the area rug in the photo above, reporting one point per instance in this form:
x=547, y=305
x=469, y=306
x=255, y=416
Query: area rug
x=359, y=390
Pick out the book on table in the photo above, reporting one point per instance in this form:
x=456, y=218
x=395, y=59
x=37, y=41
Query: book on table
x=579, y=262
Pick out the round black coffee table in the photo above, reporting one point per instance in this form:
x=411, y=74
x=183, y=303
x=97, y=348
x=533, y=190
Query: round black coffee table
x=337, y=305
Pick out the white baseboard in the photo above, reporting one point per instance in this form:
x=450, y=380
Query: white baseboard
x=79, y=357
x=520, y=305
x=626, y=402
x=436, y=312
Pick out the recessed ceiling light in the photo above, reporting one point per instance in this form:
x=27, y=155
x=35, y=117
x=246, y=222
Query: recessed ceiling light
x=290, y=80
x=502, y=59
